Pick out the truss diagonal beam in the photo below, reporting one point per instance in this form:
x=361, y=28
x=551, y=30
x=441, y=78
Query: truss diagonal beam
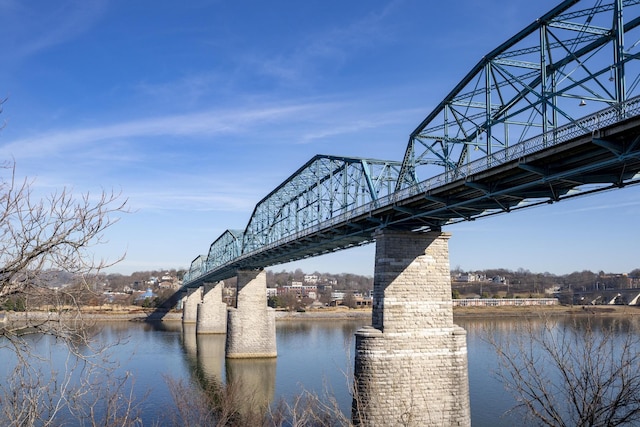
x=574, y=55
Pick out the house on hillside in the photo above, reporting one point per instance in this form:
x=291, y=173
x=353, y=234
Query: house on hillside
x=146, y=295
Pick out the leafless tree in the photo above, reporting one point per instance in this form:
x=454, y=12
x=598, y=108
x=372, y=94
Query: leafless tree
x=307, y=409
x=57, y=232
x=585, y=372
x=85, y=388
x=349, y=300
x=216, y=404
x=39, y=236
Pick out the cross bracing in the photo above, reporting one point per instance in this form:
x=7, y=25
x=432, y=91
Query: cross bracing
x=226, y=248
x=552, y=113
x=324, y=188
x=579, y=58
x=196, y=269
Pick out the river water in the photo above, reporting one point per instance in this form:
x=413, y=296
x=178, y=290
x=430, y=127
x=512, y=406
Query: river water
x=313, y=355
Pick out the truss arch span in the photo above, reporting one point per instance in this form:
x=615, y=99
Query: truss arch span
x=325, y=188
x=552, y=113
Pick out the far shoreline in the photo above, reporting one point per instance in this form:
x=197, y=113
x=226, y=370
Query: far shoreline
x=339, y=313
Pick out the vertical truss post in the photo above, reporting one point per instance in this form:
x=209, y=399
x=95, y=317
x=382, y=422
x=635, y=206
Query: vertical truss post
x=487, y=121
x=544, y=90
x=618, y=54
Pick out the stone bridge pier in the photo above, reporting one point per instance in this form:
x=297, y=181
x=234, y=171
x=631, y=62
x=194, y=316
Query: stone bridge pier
x=411, y=364
x=251, y=325
x=212, y=311
x=190, y=303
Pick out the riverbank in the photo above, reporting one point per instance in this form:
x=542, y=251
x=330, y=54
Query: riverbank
x=476, y=312
x=553, y=310
x=332, y=313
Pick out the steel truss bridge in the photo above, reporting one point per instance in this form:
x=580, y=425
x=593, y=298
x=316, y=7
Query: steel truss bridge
x=552, y=113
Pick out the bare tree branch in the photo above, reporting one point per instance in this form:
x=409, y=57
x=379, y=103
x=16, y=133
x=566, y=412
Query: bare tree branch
x=40, y=237
x=582, y=373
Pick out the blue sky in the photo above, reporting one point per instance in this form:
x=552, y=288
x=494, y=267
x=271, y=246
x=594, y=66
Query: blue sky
x=196, y=110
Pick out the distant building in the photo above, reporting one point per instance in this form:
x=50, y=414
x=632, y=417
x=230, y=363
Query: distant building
x=494, y=302
x=359, y=300
x=272, y=292
x=337, y=295
x=552, y=290
x=470, y=278
x=299, y=289
x=311, y=278
x=168, y=284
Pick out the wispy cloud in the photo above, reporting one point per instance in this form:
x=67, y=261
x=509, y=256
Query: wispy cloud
x=295, y=123
x=358, y=125
x=598, y=205
x=187, y=91
x=197, y=200
x=30, y=31
x=205, y=123
x=331, y=47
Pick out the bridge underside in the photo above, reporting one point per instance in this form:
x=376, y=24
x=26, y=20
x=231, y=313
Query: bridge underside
x=608, y=158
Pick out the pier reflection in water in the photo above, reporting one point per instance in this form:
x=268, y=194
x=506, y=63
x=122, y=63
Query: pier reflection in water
x=210, y=355
x=253, y=380
x=314, y=356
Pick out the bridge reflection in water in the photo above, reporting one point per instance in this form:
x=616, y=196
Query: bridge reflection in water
x=250, y=383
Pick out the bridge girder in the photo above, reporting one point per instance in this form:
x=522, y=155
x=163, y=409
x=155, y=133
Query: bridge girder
x=224, y=249
x=323, y=189
x=197, y=268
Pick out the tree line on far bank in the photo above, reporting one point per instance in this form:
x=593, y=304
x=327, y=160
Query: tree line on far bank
x=520, y=280
x=504, y=281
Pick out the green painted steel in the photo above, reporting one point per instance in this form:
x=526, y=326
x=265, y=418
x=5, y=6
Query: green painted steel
x=552, y=113
x=571, y=62
x=326, y=187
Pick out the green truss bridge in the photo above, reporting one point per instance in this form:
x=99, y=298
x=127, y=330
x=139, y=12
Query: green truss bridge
x=552, y=113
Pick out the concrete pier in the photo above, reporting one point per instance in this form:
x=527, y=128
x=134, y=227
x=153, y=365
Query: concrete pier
x=190, y=305
x=411, y=364
x=251, y=325
x=212, y=311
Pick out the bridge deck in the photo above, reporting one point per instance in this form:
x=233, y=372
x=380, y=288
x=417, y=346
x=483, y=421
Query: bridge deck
x=604, y=159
